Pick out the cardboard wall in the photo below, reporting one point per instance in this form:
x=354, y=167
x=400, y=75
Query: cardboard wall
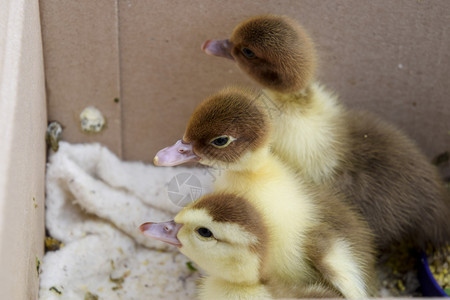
x=23, y=121
x=389, y=57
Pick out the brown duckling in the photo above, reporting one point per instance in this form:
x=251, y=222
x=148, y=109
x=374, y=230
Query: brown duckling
x=376, y=166
x=312, y=236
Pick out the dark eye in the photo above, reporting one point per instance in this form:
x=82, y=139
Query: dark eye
x=204, y=232
x=222, y=141
x=248, y=53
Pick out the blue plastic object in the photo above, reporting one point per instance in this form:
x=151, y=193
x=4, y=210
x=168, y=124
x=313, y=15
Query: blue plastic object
x=430, y=287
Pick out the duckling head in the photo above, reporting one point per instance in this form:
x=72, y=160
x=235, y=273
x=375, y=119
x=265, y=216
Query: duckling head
x=221, y=131
x=222, y=233
x=274, y=50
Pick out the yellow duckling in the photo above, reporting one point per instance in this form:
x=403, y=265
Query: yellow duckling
x=226, y=236
x=378, y=169
x=312, y=239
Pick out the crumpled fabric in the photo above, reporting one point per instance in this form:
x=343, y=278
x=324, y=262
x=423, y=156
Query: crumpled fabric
x=94, y=205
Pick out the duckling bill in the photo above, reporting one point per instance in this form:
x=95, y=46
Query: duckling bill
x=165, y=232
x=218, y=48
x=179, y=153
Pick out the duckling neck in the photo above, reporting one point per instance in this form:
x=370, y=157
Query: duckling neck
x=217, y=288
x=253, y=161
x=301, y=98
x=253, y=166
x=309, y=132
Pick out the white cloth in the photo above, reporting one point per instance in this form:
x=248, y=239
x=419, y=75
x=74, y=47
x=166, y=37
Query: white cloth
x=94, y=205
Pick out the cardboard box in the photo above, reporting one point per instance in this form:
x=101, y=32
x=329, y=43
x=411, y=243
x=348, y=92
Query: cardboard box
x=23, y=120
x=389, y=57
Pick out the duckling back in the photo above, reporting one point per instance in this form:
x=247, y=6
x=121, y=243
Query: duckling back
x=399, y=192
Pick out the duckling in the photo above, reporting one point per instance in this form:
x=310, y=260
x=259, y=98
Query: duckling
x=312, y=236
x=378, y=169
x=235, y=242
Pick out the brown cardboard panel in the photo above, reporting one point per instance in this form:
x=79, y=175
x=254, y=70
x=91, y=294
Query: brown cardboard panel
x=82, y=67
x=386, y=56
x=23, y=122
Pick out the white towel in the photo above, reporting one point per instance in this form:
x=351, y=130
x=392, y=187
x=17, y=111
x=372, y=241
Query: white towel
x=94, y=205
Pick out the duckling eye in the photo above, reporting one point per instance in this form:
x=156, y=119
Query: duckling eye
x=221, y=141
x=204, y=232
x=248, y=53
